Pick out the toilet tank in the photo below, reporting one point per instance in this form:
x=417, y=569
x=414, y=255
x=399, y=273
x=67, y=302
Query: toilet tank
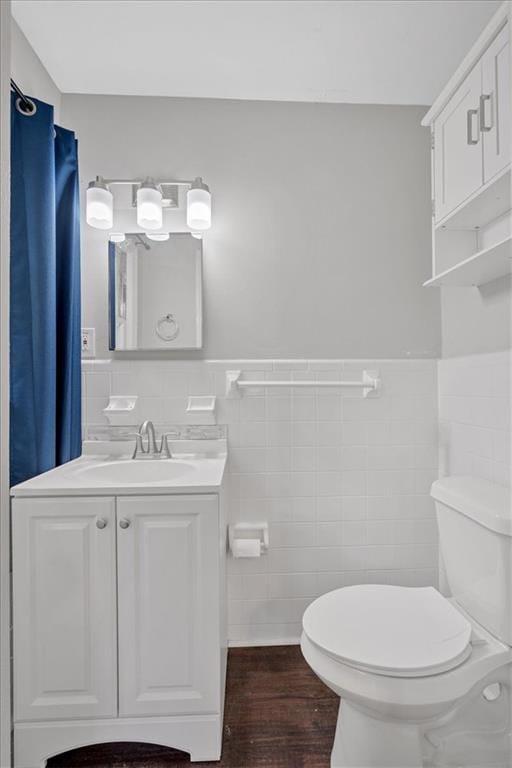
x=475, y=531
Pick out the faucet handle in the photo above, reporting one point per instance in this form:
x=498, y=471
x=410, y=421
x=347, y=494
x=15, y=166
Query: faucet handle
x=164, y=446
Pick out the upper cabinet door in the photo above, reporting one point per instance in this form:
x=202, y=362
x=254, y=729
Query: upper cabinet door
x=168, y=592
x=495, y=105
x=64, y=608
x=458, y=147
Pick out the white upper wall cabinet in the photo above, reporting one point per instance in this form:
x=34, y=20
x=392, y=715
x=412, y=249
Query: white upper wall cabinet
x=472, y=133
x=495, y=105
x=471, y=158
x=458, y=149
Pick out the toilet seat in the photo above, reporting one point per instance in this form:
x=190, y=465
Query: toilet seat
x=389, y=630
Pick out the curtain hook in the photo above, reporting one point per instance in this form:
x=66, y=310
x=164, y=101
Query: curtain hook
x=26, y=107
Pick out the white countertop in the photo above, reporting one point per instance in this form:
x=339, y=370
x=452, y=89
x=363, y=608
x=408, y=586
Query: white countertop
x=112, y=474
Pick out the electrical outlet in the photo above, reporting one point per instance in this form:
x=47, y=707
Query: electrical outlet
x=88, y=342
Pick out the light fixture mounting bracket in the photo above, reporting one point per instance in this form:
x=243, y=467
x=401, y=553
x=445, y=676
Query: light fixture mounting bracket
x=170, y=194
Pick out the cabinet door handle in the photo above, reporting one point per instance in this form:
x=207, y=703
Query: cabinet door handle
x=101, y=523
x=470, y=115
x=124, y=523
x=483, y=99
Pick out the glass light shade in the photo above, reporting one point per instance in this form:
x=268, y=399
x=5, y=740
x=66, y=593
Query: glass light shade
x=149, y=207
x=117, y=237
x=199, y=209
x=160, y=237
x=99, y=207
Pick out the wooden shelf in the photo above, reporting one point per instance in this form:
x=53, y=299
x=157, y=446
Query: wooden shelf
x=481, y=268
x=490, y=202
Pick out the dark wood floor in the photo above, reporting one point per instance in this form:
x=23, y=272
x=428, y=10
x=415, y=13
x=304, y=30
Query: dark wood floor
x=278, y=715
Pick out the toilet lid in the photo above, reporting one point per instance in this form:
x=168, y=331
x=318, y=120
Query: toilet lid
x=395, y=631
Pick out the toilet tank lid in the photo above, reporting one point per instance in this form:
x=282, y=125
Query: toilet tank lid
x=487, y=503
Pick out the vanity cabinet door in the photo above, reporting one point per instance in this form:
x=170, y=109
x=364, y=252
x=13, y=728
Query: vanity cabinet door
x=64, y=604
x=495, y=105
x=458, y=147
x=168, y=593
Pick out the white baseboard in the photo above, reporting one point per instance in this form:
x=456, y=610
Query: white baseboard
x=257, y=643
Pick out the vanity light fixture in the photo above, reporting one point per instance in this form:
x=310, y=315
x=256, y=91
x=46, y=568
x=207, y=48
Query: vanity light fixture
x=197, y=235
x=149, y=199
x=149, y=205
x=117, y=237
x=199, y=206
x=100, y=204
x=160, y=237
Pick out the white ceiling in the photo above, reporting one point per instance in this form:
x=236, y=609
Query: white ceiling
x=381, y=52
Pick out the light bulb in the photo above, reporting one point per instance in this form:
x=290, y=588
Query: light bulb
x=197, y=235
x=199, y=206
x=160, y=237
x=117, y=237
x=149, y=206
x=99, y=205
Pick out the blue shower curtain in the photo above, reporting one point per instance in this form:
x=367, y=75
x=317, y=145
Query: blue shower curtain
x=45, y=413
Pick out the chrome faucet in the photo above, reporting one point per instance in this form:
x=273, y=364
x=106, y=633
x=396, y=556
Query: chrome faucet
x=147, y=429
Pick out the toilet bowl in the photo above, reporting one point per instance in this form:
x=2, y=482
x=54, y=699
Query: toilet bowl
x=409, y=664
x=400, y=659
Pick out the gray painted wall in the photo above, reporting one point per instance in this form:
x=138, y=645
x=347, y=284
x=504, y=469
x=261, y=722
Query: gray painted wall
x=321, y=235
x=247, y=267
x=29, y=73
x=476, y=320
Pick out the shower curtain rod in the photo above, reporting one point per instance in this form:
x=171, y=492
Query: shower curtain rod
x=24, y=104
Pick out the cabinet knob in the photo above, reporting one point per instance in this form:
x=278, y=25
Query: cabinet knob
x=124, y=523
x=101, y=523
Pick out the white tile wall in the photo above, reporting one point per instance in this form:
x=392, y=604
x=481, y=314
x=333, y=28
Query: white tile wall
x=343, y=481
x=474, y=409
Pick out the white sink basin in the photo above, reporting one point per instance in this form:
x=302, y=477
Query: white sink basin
x=196, y=466
x=135, y=472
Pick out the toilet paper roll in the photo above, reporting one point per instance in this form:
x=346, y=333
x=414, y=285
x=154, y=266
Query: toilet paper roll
x=246, y=548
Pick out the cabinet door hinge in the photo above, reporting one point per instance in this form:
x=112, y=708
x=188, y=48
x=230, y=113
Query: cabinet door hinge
x=432, y=139
x=433, y=205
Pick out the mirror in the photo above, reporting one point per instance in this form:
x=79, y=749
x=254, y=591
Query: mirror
x=155, y=293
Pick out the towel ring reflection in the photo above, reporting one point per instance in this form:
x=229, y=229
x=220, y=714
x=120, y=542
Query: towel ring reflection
x=167, y=328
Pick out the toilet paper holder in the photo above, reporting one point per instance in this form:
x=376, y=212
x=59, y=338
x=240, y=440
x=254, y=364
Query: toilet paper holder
x=239, y=532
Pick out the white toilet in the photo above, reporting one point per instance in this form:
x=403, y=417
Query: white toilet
x=422, y=676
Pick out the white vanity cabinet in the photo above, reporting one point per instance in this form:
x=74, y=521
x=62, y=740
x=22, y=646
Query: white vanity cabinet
x=168, y=605
x=64, y=590
x=118, y=629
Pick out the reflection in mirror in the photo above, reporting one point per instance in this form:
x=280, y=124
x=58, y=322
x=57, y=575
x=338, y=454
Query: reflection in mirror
x=155, y=293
